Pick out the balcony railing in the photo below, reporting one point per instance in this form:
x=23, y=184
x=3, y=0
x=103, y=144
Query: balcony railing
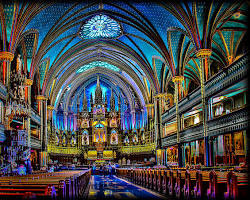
x=35, y=143
x=35, y=116
x=228, y=76
x=2, y=135
x=3, y=91
x=232, y=122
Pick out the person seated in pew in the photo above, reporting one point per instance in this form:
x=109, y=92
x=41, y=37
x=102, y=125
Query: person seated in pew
x=28, y=166
x=51, y=169
x=93, y=169
x=21, y=170
x=101, y=170
x=105, y=169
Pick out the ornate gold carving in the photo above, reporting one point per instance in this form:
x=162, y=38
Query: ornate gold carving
x=41, y=97
x=150, y=105
x=62, y=150
x=6, y=56
x=204, y=53
x=138, y=148
x=169, y=96
x=177, y=78
x=160, y=95
x=50, y=107
x=29, y=82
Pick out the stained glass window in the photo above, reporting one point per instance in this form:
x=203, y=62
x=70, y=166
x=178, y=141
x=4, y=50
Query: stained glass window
x=99, y=27
x=97, y=64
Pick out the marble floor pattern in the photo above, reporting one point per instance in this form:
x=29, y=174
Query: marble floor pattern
x=115, y=188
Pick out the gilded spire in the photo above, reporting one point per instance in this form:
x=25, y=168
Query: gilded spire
x=98, y=92
x=98, y=82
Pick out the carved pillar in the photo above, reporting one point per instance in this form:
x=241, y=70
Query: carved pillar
x=39, y=102
x=158, y=119
x=150, y=114
x=203, y=55
x=177, y=83
x=142, y=115
x=45, y=125
x=6, y=58
x=29, y=82
x=42, y=100
x=133, y=118
x=51, y=135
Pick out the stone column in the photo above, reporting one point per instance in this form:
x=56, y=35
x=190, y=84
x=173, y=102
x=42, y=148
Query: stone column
x=45, y=125
x=133, y=118
x=142, y=119
x=149, y=108
x=177, y=83
x=6, y=58
x=28, y=83
x=42, y=100
x=158, y=119
x=50, y=109
x=65, y=120
x=203, y=55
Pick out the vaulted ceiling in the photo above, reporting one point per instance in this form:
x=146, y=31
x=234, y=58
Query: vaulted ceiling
x=134, y=47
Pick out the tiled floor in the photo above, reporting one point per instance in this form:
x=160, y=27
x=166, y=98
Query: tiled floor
x=116, y=188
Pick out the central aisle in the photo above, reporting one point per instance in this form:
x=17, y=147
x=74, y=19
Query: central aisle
x=116, y=188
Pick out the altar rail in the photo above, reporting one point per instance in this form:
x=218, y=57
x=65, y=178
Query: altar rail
x=138, y=148
x=63, y=150
x=182, y=183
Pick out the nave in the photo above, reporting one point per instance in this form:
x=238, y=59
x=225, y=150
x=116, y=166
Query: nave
x=112, y=187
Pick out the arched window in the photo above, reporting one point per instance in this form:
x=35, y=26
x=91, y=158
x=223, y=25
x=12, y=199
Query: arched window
x=100, y=27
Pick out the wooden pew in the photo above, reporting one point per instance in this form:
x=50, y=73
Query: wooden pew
x=237, y=186
x=190, y=181
x=165, y=179
x=217, y=185
x=68, y=184
x=159, y=180
x=130, y=176
x=171, y=181
x=179, y=183
x=138, y=177
x=144, y=176
x=154, y=186
x=141, y=177
x=150, y=179
x=202, y=183
x=29, y=190
x=147, y=178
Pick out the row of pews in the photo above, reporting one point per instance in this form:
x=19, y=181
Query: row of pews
x=188, y=184
x=54, y=185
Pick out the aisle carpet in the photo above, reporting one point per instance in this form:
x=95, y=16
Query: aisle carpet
x=116, y=188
